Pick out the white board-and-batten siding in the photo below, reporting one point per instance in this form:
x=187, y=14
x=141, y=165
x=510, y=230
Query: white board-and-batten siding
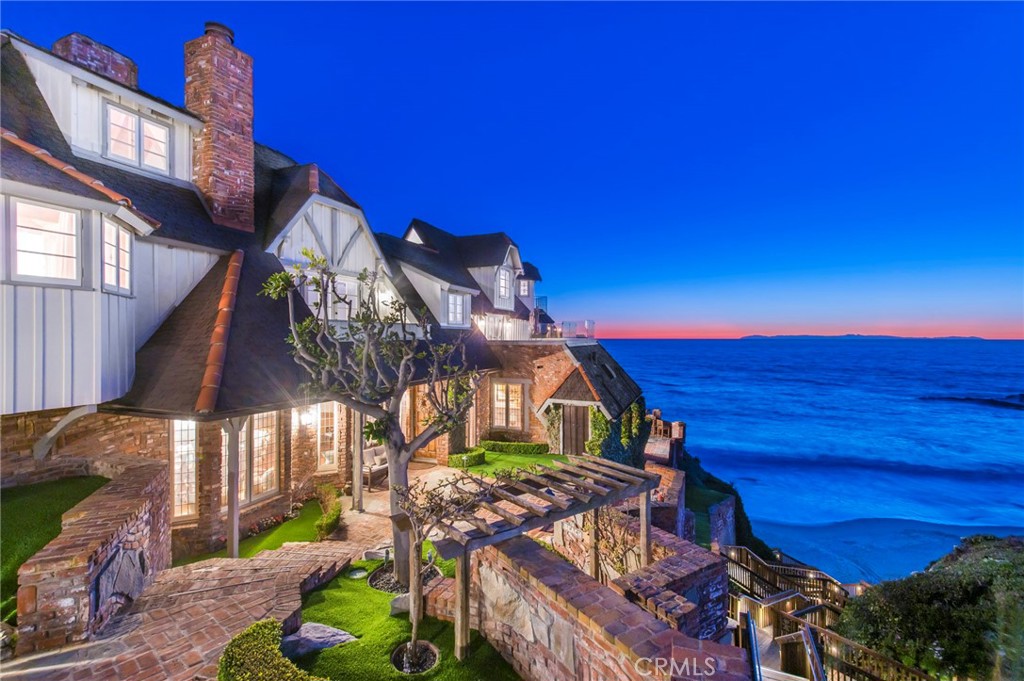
x=164, y=275
x=336, y=233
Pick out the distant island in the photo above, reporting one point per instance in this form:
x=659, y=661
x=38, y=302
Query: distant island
x=859, y=336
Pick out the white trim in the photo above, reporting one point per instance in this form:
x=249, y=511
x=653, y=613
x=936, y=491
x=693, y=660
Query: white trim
x=68, y=201
x=444, y=284
x=11, y=220
x=141, y=118
x=103, y=84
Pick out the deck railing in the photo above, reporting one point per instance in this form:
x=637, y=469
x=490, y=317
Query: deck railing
x=809, y=582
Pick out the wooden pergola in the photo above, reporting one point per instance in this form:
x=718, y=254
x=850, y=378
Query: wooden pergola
x=535, y=500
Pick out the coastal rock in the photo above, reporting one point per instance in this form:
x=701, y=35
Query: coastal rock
x=312, y=637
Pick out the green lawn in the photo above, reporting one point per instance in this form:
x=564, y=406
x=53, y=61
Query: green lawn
x=29, y=520
x=352, y=605
x=497, y=460
x=698, y=499
x=297, y=529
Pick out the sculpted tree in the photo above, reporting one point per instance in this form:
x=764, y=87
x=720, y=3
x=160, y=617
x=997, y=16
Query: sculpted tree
x=429, y=507
x=369, y=363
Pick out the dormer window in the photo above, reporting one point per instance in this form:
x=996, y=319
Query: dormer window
x=524, y=287
x=117, y=257
x=504, y=284
x=456, y=309
x=136, y=140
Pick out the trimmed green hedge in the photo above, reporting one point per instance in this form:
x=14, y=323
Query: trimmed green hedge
x=522, y=448
x=255, y=655
x=329, y=521
x=473, y=457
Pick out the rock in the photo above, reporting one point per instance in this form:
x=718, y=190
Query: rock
x=502, y=602
x=8, y=637
x=377, y=554
x=400, y=604
x=312, y=637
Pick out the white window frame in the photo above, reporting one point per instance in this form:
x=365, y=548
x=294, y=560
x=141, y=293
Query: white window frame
x=194, y=466
x=246, y=455
x=504, y=275
x=523, y=419
x=12, y=220
x=524, y=288
x=118, y=269
x=141, y=118
x=335, y=414
x=462, y=319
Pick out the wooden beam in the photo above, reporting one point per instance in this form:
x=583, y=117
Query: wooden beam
x=584, y=484
x=597, y=477
x=505, y=514
x=633, y=470
x=595, y=554
x=518, y=501
x=558, y=487
x=610, y=472
x=462, y=580
x=645, y=529
x=539, y=493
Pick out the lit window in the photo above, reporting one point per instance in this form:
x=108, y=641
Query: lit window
x=508, y=406
x=263, y=450
x=183, y=460
x=524, y=287
x=456, y=309
x=136, y=140
x=257, y=459
x=504, y=283
x=117, y=257
x=243, y=467
x=45, y=242
x=327, y=437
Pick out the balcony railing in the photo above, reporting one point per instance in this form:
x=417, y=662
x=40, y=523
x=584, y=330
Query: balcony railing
x=575, y=329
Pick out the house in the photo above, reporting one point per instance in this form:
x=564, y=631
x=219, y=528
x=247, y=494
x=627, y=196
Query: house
x=137, y=235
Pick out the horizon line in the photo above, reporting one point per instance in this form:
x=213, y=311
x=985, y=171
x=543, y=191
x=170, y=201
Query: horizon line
x=756, y=336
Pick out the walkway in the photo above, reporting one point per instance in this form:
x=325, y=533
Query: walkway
x=179, y=627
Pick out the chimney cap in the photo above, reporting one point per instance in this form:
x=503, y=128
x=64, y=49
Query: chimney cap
x=217, y=28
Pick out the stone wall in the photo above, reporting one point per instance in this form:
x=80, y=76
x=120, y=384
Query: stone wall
x=680, y=569
x=550, y=621
x=722, y=521
x=110, y=547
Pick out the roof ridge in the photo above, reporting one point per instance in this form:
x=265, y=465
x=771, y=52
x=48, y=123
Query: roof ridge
x=209, y=388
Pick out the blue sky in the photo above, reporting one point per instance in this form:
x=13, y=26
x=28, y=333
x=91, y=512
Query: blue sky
x=693, y=169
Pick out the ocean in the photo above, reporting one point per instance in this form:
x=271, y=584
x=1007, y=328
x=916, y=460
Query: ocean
x=868, y=457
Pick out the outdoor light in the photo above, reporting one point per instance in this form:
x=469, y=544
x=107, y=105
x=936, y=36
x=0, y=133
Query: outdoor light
x=308, y=416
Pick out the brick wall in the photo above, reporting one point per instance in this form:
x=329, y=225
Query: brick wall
x=549, y=620
x=722, y=521
x=544, y=366
x=98, y=58
x=110, y=546
x=680, y=569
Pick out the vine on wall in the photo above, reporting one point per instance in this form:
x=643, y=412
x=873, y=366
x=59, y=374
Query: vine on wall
x=622, y=440
x=553, y=427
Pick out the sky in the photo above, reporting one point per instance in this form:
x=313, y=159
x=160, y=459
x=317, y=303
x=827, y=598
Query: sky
x=674, y=170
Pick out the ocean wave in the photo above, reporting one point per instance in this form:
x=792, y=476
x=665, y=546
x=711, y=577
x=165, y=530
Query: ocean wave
x=1009, y=402
x=745, y=460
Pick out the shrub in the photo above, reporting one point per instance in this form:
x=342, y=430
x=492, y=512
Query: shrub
x=330, y=504
x=522, y=448
x=473, y=457
x=255, y=655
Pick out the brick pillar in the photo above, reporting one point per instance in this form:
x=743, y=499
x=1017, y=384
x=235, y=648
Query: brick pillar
x=219, y=87
x=209, y=526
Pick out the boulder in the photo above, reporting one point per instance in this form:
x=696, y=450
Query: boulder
x=312, y=637
x=400, y=604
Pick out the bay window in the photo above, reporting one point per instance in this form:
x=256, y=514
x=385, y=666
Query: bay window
x=504, y=284
x=507, y=406
x=183, y=469
x=327, y=436
x=117, y=257
x=46, y=243
x=137, y=140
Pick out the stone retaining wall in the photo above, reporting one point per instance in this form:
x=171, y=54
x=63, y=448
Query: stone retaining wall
x=682, y=572
x=552, y=622
x=110, y=547
x=722, y=521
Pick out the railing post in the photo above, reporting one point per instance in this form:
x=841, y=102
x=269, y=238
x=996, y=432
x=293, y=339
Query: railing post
x=462, y=578
x=595, y=555
x=645, y=529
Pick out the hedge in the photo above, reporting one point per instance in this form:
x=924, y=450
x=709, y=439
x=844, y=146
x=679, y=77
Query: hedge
x=330, y=504
x=255, y=655
x=473, y=457
x=523, y=448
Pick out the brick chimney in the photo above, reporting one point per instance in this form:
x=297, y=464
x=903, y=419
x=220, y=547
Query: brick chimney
x=98, y=58
x=218, y=87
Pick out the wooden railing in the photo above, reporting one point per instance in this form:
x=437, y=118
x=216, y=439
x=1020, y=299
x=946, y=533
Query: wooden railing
x=809, y=582
x=754, y=576
x=748, y=641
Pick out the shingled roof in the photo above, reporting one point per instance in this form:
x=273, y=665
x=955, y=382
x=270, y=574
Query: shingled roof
x=597, y=380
